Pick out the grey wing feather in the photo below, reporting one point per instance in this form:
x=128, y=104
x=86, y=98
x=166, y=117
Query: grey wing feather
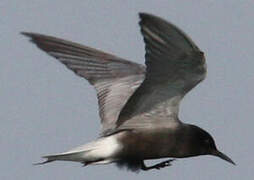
x=114, y=78
x=174, y=66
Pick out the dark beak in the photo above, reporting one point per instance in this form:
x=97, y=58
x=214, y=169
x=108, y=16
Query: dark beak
x=223, y=156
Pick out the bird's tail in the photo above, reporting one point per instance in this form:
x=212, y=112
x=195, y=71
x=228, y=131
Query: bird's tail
x=100, y=151
x=75, y=156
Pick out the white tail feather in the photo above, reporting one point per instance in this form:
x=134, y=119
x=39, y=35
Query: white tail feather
x=100, y=151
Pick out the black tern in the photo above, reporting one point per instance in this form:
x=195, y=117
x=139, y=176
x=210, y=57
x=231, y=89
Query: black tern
x=138, y=105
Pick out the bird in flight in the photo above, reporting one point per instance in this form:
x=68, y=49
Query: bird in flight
x=138, y=104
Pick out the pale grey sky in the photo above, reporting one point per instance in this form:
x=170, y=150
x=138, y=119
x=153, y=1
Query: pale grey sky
x=46, y=109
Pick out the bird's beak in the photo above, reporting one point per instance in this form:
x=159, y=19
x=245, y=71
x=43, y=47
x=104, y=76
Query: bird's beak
x=223, y=156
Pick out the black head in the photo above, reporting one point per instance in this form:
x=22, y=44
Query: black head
x=202, y=143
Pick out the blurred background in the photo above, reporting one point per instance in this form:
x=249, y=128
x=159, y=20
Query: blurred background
x=45, y=108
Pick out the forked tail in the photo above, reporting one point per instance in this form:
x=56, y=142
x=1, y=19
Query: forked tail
x=75, y=156
x=101, y=151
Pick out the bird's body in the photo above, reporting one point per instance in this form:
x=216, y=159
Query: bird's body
x=138, y=104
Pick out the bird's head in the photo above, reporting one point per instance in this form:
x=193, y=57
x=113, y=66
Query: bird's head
x=202, y=143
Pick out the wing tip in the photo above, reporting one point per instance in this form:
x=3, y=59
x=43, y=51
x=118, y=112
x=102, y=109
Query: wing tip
x=30, y=34
x=150, y=20
x=143, y=16
x=38, y=36
x=33, y=37
x=25, y=33
x=149, y=17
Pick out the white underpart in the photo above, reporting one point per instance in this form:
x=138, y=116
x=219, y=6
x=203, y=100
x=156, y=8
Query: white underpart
x=103, y=148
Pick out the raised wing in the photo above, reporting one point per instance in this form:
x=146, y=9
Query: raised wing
x=174, y=66
x=114, y=78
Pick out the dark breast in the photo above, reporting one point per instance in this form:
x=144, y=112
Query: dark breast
x=152, y=144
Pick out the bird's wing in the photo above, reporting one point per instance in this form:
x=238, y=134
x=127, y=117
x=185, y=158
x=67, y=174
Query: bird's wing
x=114, y=78
x=174, y=66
